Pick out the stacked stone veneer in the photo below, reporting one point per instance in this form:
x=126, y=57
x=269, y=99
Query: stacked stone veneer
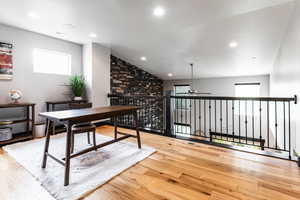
x=129, y=80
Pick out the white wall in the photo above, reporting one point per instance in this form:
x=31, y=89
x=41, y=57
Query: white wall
x=97, y=73
x=285, y=79
x=222, y=86
x=36, y=87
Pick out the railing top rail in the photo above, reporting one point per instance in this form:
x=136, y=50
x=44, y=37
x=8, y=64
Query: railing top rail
x=279, y=99
x=294, y=99
x=135, y=96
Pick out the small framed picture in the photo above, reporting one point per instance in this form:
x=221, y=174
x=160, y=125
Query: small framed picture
x=6, y=64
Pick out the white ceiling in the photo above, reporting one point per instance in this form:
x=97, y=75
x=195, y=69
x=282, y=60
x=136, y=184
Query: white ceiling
x=191, y=30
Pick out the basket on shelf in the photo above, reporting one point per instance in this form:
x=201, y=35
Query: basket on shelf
x=5, y=130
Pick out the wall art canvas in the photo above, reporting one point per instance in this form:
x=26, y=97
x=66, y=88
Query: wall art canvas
x=6, y=65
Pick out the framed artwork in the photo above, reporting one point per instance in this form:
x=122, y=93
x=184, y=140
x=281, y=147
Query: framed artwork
x=6, y=65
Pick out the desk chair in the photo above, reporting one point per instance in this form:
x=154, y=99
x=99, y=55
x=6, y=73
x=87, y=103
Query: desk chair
x=85, y=127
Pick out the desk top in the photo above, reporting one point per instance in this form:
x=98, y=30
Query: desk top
x=90, y=114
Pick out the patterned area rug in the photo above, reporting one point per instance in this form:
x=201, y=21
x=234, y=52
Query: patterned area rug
x=88, y=171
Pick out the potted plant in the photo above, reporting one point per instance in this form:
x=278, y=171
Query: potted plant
x=77, y=84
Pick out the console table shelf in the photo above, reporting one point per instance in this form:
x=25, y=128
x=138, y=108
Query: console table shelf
x=28, y=120
x=17, y=138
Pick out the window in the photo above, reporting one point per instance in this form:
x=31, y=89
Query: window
x=51, y=62
x=182, y=129
x=247, y=89
x=182, y=90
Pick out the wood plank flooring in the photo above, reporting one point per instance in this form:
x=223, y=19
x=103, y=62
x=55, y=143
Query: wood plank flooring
x=178, y=170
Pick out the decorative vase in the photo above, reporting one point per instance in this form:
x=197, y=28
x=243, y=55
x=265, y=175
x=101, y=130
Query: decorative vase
x=77, y=98
x=15, y=95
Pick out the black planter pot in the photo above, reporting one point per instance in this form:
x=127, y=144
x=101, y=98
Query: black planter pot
x=298, y=162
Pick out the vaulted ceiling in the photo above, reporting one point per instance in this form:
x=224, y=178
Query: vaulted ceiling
x=197, y=31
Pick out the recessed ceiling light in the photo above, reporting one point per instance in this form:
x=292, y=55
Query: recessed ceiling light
x=233, y=44
x=33, y=15
x=93, y=35
x=143, y=58
x=59, y=33
x=170, y=74
x=159, y=12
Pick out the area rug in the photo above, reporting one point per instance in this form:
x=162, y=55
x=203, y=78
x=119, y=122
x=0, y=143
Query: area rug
x=88, y=171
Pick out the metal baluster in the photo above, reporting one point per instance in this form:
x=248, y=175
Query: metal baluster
x=190, y=116
x=151, y=113
x=239, y=121
x=123, y=117
x=200, y=127
x=233, y=119
x=204, y=117
x=195, y=117
x=227, y=119
x=181, y=115
x=276, y=125
x=209, y=116
x=253, y=122
x=221, y=131
x=268, y=124
x=284, y=137
x=127, y=103
x=260, y=130
x=175, y=113
x=289, y=110
x=246, y=121
x=185, y=120
x=215, y=117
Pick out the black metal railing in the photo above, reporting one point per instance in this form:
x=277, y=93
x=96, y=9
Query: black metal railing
x=258, y=124
x=151, y=113
x=264, y=123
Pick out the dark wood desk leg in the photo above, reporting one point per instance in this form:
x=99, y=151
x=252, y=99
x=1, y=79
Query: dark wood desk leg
x=27, y=118
x=47, y=107
x=137, y=130
x=68, y=149
x=94, y=139
x=116, y=127
x=48, y=133
x=33, y=120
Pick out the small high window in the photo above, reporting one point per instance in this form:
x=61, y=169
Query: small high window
x=51, y=62
x=182, y=90
x=247, y=89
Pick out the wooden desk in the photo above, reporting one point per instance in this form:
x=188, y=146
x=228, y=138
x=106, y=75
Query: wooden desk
x=29, y=119
x=71, y=117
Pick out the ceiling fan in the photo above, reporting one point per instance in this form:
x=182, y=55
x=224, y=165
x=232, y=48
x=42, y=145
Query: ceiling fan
x=193, y=91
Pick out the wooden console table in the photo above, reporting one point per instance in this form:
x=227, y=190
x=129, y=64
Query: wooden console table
x=50, y=105
x=71, y=117
x=29, y=120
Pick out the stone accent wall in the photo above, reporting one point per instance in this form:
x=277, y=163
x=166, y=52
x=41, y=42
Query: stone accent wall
x=127, y=79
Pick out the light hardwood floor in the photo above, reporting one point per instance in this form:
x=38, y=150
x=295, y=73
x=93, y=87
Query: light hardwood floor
x=178, y=170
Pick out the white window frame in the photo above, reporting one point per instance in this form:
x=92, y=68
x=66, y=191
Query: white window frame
x=36, y=63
